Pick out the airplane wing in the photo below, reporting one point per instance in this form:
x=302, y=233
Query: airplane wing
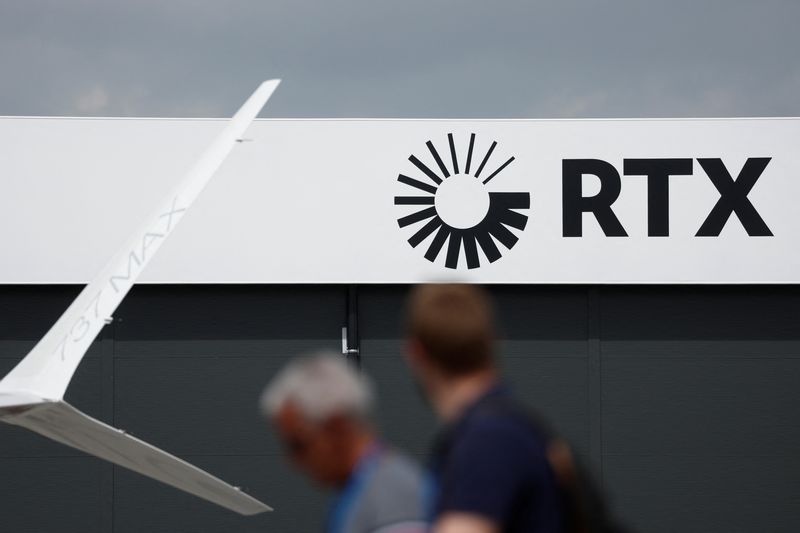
x=48, y=368
x=63, y=423
x=31, y=395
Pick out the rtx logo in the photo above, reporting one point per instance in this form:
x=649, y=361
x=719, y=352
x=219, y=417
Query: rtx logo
x=454, y=203
x=733, y=193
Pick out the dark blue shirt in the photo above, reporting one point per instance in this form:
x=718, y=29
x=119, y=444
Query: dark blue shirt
x=492, y=462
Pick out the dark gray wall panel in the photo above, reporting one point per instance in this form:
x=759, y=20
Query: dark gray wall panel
x=51, y=494
x=541, y=312
x=30, y=310
x=556, y=388
x=15, y=350
x=715, y=493
x=700, y=313
x=684, y=398
x=705, y=349
x=203, y=405
x=532, y=347
x=523, y=312
x=240, y=312
x=280, y=348
x=402, y=416
x=701, y=407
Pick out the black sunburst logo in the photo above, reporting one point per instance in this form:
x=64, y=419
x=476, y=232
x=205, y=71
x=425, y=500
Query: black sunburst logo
x=461, y=210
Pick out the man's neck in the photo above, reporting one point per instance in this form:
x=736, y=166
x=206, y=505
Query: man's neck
x=454, y=395
x=362, y=444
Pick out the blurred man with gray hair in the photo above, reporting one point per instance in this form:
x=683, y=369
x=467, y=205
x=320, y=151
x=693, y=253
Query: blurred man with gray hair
x=321, y=408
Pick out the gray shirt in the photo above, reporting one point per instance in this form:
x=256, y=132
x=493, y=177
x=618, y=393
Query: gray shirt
x=384, y=495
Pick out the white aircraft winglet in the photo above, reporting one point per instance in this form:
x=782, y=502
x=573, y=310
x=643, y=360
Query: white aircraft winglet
x=32, y=394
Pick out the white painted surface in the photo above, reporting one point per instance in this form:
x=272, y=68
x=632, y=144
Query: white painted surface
x=311, y=201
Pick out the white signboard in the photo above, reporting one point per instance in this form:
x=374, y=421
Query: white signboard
x=402, y=201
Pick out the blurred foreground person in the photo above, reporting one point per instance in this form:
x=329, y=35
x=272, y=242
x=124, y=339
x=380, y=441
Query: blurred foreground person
x=321, y=409
x=495, y=466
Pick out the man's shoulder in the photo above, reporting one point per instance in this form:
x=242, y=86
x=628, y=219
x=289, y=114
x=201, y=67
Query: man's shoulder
x=502, y=422
x=397, y=470
x=495, y=442
x=394, y=495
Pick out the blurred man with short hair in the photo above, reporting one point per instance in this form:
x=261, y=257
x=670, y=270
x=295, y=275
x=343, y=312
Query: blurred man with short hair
x=490, y=463
x=321, y=408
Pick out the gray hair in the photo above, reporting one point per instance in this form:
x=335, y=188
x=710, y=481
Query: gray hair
x=319, y=386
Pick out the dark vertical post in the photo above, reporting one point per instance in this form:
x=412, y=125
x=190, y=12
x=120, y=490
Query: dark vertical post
x=353, y=348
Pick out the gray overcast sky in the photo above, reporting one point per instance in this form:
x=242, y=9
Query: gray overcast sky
x=407, y=58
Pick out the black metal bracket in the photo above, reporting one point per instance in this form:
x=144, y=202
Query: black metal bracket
x=350, y=341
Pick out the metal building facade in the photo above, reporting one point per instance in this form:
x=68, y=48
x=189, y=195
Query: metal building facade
x=682, y=398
